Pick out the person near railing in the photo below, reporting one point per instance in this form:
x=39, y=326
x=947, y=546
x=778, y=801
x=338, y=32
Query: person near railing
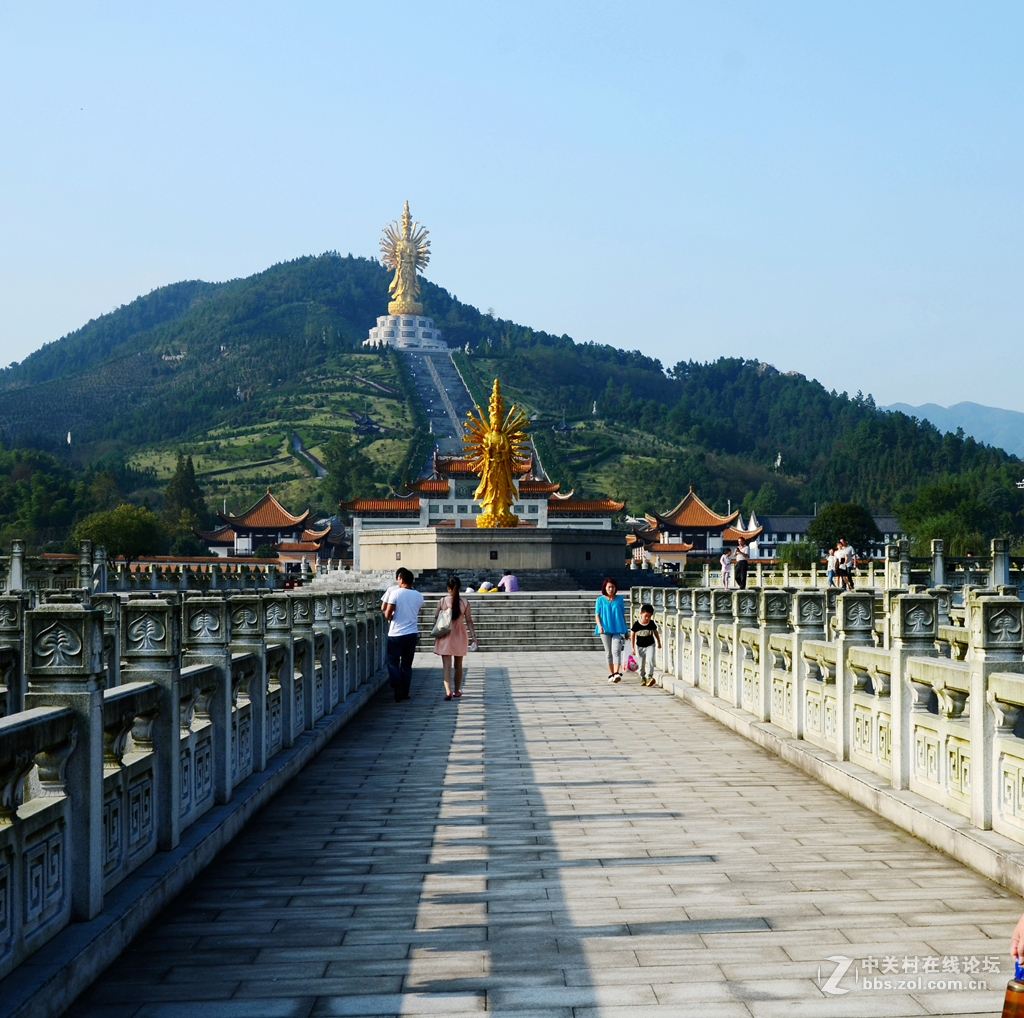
x=741, y=557
x=830, y=568
x=401, y=605
x=643, y=635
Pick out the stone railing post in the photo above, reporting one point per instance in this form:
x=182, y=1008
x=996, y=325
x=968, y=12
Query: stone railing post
x=677, y=619
x=63, y=648
x=913, y=622
x=322, y=630
x=12, y=634
x=1000, y=562
x=808, y=615
x=943, y=602
x=110, y=605
x=892, y=566
x=904, y=546
x=351, y=644
x=996, y=628
x=336, y=619
x=772, y=617
x=151, y=651
x=744, y=616
x=855, y=627
x=889, y=596
x=247, y=638
x=700, y=604
x=277, y=627
x=721, y=613
x=373, y=601
x=205, y=640
x=938, y=565
x=304, y=656
x=16, y=577
x=99, y=570
x=85, y=565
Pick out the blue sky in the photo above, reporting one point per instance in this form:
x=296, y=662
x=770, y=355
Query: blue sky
x=835, y=189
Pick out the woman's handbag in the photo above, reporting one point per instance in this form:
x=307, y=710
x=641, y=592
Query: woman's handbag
x=442, y=624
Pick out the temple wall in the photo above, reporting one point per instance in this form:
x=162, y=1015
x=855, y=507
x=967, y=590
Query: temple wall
x=525, y=548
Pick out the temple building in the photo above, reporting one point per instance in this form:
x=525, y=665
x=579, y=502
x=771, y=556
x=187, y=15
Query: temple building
x=690, y=530
x=444, y=498
x=268, y=522
x=408, y=332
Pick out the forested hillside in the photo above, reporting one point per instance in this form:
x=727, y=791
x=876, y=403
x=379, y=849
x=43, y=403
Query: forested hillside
x=230, y=371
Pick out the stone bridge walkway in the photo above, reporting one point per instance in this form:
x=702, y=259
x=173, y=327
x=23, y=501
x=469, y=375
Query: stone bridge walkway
x=556, y=846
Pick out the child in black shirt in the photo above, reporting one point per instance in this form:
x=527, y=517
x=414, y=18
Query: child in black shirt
x=643, y=635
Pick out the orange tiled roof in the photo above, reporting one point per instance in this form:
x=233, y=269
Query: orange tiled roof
x=370, y=505
x=266, y=514
x=692, y=512
x=586, y=505
x=315, y=535
x=438, y=487
x=462, y=465
x=222, y=535
x=538, y=486
x=734, y=534
x=309, y=546
x=665, y=546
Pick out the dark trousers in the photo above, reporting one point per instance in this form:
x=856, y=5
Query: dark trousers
x=400, y=654
x=739, y=572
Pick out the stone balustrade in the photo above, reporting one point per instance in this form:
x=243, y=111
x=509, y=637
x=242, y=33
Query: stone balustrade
x=898, y=570
x=91, y=569
x=922, y=696
x=128, y=717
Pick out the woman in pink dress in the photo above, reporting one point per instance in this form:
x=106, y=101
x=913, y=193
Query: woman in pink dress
x=456, y=643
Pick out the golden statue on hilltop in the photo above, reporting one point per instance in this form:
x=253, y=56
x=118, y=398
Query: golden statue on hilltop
x=405, y=249
x=494, y=446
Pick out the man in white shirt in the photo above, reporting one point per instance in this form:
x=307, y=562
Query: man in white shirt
x=741, y=558
x=401, y=606
x=508, y=582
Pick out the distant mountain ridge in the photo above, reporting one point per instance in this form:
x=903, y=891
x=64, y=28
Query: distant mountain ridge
x=991, y=425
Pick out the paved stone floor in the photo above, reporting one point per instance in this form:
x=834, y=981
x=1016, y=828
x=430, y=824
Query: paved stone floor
x=556, y=846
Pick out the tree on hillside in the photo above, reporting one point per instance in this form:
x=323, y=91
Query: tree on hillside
x=184, y=504
x=766, y=501
x=847, y=520
x=952, y=511
x=350, y=473
x=127, y=532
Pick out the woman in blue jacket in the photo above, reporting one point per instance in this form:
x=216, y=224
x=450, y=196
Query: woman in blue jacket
x=611, y=626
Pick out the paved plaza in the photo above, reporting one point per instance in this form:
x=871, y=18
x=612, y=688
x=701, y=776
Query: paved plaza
x=553, y=846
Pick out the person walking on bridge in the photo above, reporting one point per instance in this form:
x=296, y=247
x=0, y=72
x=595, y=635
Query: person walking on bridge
x=452, y=647
x=401, y=606
x=611, y=626
x=741, y=558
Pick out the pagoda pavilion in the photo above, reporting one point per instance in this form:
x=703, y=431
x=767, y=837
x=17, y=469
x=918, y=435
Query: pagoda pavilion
x=444, y=498
x=690, y=530
x=268, y=522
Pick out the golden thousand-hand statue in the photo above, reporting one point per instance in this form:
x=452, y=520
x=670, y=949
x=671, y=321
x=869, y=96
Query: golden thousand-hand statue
x=494, y=444
x=405, y=249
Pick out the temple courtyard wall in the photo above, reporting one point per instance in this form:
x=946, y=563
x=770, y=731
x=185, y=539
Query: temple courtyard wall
x=471, y=548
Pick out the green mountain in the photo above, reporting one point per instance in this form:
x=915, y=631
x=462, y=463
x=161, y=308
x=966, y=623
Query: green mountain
x=235, y=372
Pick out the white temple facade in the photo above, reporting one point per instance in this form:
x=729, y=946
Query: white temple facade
x=406, y=332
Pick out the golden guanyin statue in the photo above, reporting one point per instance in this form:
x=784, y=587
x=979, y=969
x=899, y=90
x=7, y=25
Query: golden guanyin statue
x=405, y=249
x=494, y=446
